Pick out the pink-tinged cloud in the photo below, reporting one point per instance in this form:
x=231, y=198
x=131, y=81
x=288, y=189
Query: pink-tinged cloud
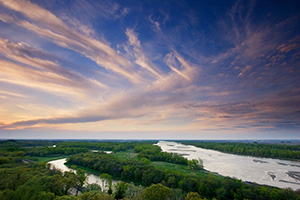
x=245, y=70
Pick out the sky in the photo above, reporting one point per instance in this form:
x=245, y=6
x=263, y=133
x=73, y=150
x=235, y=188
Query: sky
x=149, y=69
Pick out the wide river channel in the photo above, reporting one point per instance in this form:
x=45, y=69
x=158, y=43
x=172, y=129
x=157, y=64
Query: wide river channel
x=265, y=171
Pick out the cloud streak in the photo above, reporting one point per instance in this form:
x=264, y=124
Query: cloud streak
x=29, y=56
x=60, y=33
x=141, y=59
x=117, y=107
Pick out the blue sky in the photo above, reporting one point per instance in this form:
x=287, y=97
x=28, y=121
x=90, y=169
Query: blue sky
x=150, y=69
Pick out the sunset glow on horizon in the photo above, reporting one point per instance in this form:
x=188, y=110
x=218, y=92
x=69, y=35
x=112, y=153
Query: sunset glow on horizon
x=149, y=69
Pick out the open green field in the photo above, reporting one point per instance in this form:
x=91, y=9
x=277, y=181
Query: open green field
x=125, y=154
x=183, y=169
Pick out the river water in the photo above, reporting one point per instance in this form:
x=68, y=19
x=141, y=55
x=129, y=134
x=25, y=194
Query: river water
x=91, y=178
x=265, y=171
x=60, y=165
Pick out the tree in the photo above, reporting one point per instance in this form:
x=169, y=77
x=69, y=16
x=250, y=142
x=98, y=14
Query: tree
x=146, y=161
x=189, y=184
x=172, y=182
x=156, y=192
x=195, y=164
x=95, y=196
x=81, y=176
x=45, y=195
x=177, y=194
x=55, y=184
x=69, y=180
x=106, y=181
x=6, y=194
x=67, y=197
x=133, y=191
x=92, y=187
x=120, y=190
x=192, y=196
x=148, y=176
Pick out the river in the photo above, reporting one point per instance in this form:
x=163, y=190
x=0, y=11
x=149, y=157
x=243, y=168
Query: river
x=264, y=171
x=91, y=178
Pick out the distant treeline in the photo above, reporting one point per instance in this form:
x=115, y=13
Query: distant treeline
x=54, y=151
x=281, y=151
x=45, y=147
x=103, y=145
x=89, y=144
x=28, y=143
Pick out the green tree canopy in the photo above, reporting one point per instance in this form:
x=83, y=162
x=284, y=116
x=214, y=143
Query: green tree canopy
x=95, y=196
x=106, y=181
x=120, y=190
x=193, y=196
x=156, y=192
x=81, y=177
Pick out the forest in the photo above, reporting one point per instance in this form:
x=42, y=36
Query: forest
x=141, y=171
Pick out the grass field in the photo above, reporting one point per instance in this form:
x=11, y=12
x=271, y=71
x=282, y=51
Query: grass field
x=183, y=169
x=126, y=154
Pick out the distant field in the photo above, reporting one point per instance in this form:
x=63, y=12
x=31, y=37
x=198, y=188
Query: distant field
x=179, y=168
x=125, y=154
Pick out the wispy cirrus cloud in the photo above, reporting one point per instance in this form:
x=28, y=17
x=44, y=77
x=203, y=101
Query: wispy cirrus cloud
x=140, y=58
x=182, y=68
x=27, y=77
x=244, y=70
x=27, y=55
x=53, y=28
